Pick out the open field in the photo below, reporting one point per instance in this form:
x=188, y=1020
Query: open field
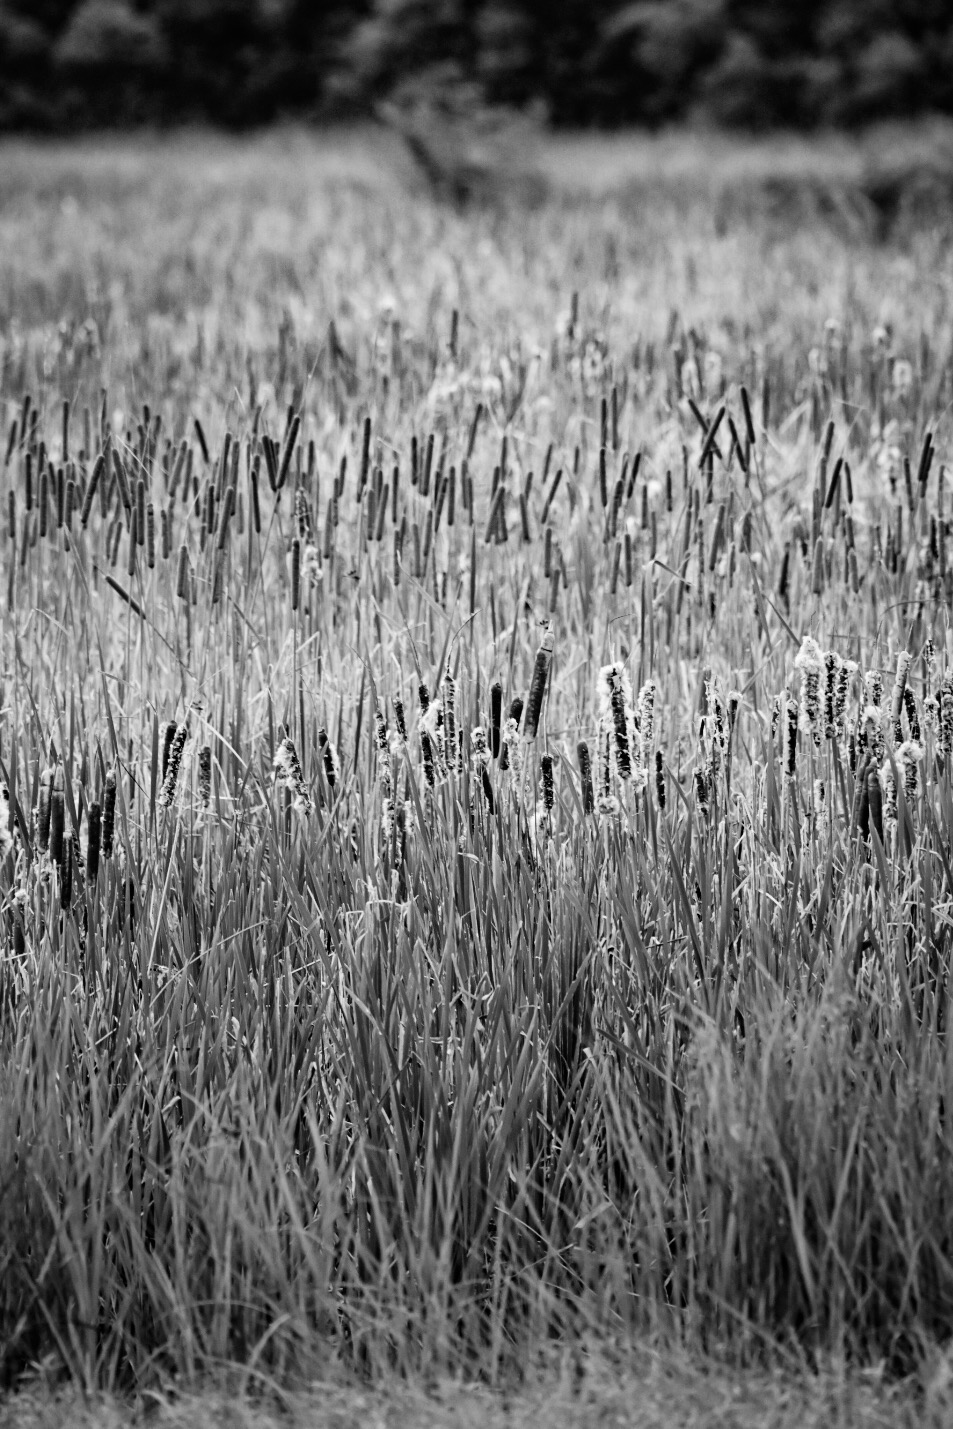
x=477, y=716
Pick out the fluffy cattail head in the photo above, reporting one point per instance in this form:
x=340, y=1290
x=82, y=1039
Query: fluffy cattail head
x=170, y=782
x=288, y=772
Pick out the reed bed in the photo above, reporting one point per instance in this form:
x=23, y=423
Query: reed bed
x=476, y=836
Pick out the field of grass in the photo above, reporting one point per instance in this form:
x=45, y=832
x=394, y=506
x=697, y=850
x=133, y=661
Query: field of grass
x=476, y=716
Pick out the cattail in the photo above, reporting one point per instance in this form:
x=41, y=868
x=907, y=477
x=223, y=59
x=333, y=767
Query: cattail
x=537, y=689
x=913, y=720
x=432, y=736
x=790, y=739
x=171, y=779
x=329, y=757
x=647, y=715
x=93, y=841
x=872, y=725
x=496, y=714
x=931, y=714
x=845, y=669
x=288, y=772
x=479, y=753
x=510, y=752
x=109, y=813
x=182, y=579
x=585, y=776
x=889, y=786
x=66, y=875
x=817, y=569
x=205, y=776
x=57, y=815
x=43, y=810
x=452, y=747
x=615, y=711
x=659, y=779
x=896, y=695
x=946, y=718
x=875, y=804
x=6, y=831
x=606, y=802
x=399, y=719
x=295, y=572
x=701, y=791
x=909, y=756
x=831, y=668
x=810, y=662
x=549, y=793
x=874, y=682
x=167, y=739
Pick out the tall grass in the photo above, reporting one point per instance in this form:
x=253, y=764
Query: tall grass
x=341, y=1014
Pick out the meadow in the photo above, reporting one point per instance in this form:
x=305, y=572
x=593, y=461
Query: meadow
x=476, y=732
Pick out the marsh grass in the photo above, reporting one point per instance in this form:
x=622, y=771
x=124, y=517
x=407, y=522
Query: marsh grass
x=426, y=1071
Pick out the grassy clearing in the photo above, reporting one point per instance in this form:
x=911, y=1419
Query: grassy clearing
x=340, y=1014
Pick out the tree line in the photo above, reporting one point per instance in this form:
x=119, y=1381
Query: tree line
x=70, y=63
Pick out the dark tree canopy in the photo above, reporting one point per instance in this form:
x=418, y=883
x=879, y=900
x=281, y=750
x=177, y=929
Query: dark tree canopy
x=593, y=62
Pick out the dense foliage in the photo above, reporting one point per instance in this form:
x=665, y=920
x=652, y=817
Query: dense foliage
x=241, y=62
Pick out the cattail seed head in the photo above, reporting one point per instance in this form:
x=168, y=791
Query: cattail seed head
x=167, y=740
x=585, y=776
x=790, y=739
x=93, y=841
x=66, y=875
x=479, y=752
x=6, y=827
x=167, y=792
x=496, y=715
x=889, y=786
x=205, y=776
x=913, y=719
x=549, y=794
x=896, y=695
x=810, y=662
x=57, y=815
x=43, y=809
x=537, y=689
x=288, y=772
x=909, y=756
x=329, y=758
x=109, y=813
x=659, y=779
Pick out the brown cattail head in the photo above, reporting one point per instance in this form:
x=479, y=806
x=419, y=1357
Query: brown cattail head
x=57, y=815
x=537, y=689
x=205, y=776
x=43, y=810
x=182, y=581
x=585, y=775
x=109, y=813
x=549, y=793
x=659, y=779
x=93, y=841
x=496, y=717
x=295, y=572
x=66, y=874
